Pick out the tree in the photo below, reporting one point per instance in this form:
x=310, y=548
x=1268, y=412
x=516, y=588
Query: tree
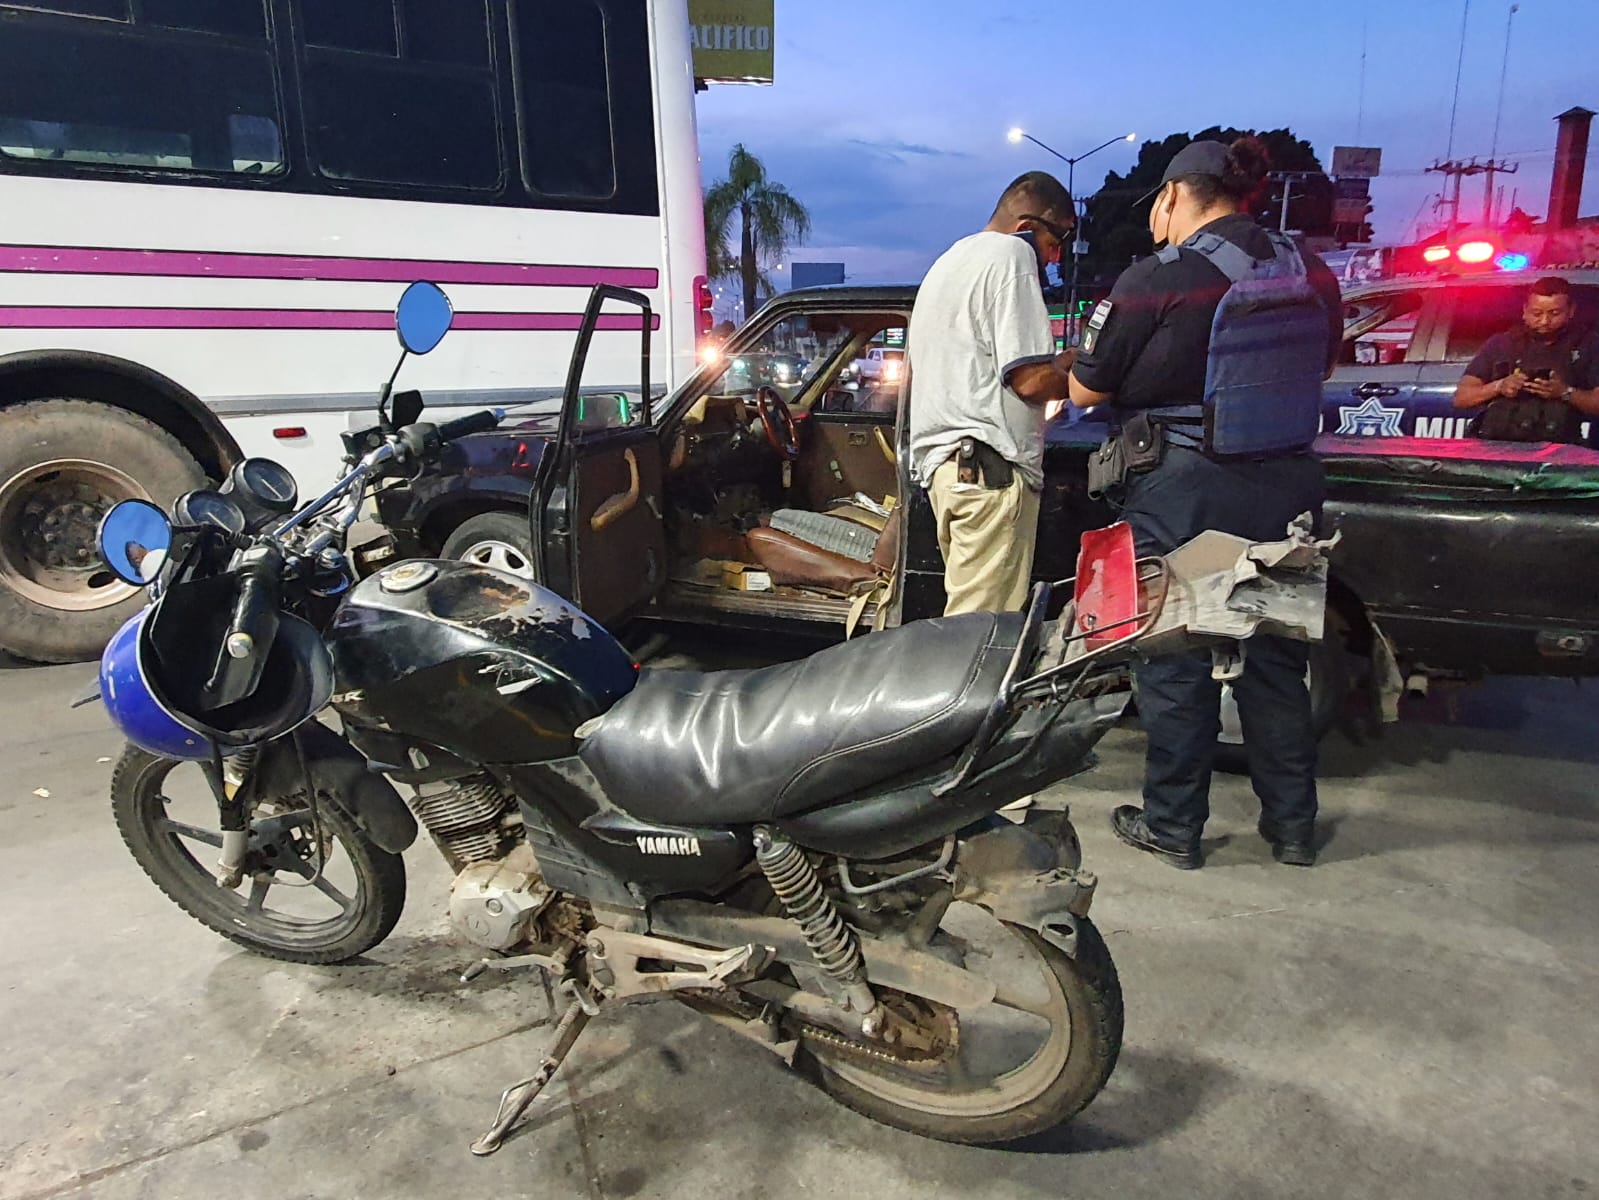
x=769, y=219
x=1118, y=232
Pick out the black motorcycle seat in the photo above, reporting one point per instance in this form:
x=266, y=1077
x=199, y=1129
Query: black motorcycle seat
x=737, y=747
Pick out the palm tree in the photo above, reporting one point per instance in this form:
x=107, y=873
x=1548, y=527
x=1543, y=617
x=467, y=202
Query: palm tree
x=769, y=218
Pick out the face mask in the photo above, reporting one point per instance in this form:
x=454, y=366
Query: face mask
x=1031, y=238
x=1154, y=223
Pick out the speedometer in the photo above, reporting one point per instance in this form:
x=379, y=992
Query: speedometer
x=262, y=483
x=205, y=507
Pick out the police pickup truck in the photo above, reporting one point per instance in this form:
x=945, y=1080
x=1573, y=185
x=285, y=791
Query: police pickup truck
x=789, y=506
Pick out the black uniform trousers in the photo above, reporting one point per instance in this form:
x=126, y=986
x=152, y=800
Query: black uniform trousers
x=1178, y=700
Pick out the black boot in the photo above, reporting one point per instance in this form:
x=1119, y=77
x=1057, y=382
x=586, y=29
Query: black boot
x=1131, y=826
x=1292, y=850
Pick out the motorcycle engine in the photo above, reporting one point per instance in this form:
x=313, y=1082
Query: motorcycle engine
x=495, y=904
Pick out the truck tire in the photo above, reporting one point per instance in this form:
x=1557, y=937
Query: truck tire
x=1329, y=684
x=63, y=464
x=501, y=540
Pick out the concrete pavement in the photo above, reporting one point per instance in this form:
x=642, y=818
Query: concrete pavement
x=1414, y=1017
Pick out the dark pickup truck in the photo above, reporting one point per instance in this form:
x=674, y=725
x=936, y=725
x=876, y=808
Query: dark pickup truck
x=790, y=507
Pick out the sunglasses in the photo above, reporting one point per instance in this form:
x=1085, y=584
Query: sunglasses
x=1058, y=232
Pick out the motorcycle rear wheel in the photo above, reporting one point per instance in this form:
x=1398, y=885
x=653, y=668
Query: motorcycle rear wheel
x=322, y=917
x=1082, y=1001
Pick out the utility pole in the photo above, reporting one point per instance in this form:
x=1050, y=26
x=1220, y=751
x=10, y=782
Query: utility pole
x=1287, y=178
x=1454, y=171
x=1492, y=167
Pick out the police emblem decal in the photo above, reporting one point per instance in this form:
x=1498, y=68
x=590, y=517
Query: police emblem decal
x=1370, y=419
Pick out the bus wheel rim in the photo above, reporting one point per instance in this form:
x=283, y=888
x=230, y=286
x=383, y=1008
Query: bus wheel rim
x=50, y=515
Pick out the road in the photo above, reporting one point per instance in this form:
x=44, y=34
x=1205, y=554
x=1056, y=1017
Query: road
x=1413, y=1017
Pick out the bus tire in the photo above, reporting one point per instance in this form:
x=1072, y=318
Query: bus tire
x=63, y=464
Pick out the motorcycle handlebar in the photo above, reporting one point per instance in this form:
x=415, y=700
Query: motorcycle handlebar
x=259, y=578
x=478, y=422
x=423, y=440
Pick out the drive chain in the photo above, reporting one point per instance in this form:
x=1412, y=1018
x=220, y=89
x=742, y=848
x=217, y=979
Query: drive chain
x=949, y=1035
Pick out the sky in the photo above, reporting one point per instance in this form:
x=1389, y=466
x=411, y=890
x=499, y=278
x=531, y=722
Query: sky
x=888, y=117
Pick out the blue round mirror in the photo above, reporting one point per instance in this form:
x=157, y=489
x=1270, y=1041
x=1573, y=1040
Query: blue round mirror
x=423, y=317
x=134, y=539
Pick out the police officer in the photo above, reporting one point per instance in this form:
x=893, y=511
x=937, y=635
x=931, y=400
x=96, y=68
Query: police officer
x=1216, y=416
x=1540, y=380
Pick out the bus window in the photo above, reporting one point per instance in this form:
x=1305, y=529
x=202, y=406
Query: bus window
x=445, y=31
x=365, y=26
x=159, y=100
x=415, y=119
x=231, y=18
x=115, y=10
x=564, y=92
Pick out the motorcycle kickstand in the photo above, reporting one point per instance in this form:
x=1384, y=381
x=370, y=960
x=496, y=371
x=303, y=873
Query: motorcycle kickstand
x=517, y=1098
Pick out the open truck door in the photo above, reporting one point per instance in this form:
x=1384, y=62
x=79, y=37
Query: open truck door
x=598, y=531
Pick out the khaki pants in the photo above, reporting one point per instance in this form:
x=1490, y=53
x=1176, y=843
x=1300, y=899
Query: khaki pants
x=987, y=538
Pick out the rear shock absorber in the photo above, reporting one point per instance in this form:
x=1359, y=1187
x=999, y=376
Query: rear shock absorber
x=834, y=944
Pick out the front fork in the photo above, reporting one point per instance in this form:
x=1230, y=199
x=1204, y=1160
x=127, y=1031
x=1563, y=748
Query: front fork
x=228, y=779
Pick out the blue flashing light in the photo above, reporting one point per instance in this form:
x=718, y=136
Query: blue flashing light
x=1513, y=261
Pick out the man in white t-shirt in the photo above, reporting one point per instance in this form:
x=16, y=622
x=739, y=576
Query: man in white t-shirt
x=985, y=376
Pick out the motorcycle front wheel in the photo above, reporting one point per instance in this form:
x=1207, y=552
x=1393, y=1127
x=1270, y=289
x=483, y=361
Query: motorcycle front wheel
x=315, y=889
x=1023, y=1064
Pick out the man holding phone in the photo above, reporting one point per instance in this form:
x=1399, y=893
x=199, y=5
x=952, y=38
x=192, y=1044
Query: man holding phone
x=1537, y=382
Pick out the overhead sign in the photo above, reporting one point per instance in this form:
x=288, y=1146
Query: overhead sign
x=732, y=39
x=1357, y=162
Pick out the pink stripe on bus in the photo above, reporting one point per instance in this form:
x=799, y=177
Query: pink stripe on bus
x=84, y=260
x=36, y=317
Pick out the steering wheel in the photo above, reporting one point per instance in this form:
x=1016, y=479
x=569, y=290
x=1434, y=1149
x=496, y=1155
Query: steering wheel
x=778, y=422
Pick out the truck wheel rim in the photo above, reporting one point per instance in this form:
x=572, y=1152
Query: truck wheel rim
x=1232, y=725
x=499, y=556
x=49, y=517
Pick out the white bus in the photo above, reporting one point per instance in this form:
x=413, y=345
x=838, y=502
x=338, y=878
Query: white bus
x=208, y=209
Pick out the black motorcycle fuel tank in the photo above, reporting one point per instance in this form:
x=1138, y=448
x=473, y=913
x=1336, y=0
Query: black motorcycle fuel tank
x=489, y=667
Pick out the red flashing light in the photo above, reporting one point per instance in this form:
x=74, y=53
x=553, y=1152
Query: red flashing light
x=1435, y=254
x=1475, y=252
x=289, y=432
x=703, y=301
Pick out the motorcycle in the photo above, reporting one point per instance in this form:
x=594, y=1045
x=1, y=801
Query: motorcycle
x=807, y=853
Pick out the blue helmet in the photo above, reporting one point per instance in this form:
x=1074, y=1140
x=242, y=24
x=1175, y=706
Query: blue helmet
x=164, y=712
x=137, y=709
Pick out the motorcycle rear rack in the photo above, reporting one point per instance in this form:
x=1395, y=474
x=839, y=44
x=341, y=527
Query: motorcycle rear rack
x=1216, y=590
x=1046, y=686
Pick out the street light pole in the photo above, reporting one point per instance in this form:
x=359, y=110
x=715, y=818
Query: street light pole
x=1493, y=151
x=1080, y=209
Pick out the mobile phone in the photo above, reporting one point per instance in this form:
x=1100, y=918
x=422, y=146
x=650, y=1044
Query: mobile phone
x=1540, y=373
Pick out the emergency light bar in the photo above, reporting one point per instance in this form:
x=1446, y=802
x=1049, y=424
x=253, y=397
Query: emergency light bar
x=1476, y=253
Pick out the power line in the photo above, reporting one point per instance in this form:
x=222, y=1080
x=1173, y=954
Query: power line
x=1460, y=66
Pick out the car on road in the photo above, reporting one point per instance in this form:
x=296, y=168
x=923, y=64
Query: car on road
x=880, y=365
x=730, y=503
